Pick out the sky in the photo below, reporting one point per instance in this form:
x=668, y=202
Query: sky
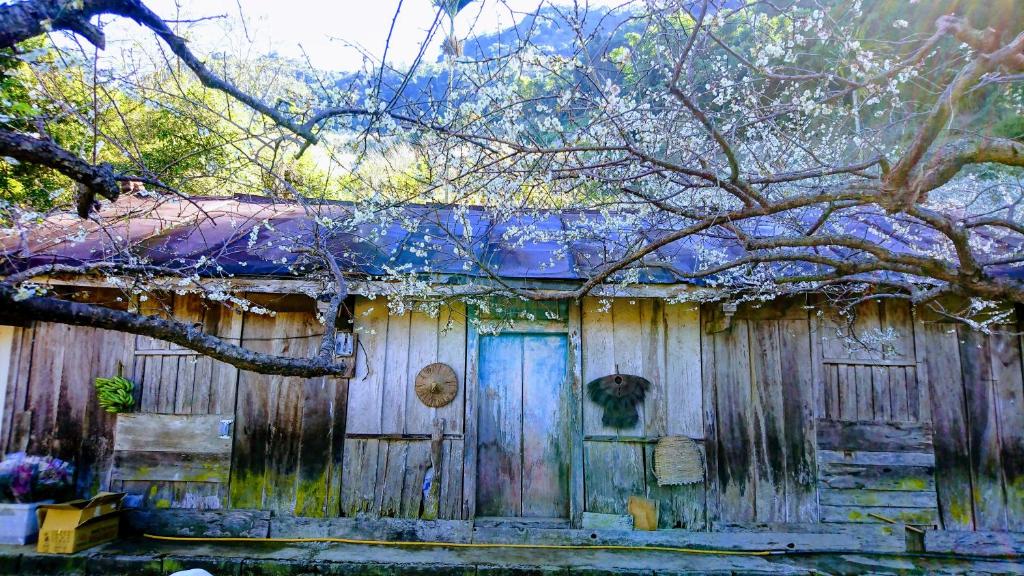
x=332, y=32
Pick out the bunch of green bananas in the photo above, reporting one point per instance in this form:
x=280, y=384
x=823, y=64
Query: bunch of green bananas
x=115, y=394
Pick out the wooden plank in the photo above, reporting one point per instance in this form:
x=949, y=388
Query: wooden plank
x=8, y=359
x=863, y=514
x=709, y=394
x=292, y=337
x=114, y=354
x=358, y=485
x=469, y=446
x=881, y=394
x=735, y=460
x=652, y=361
x=874, y=436
x=769, y=447
x=392, y=484
x=829, y=404
x=920, y=400
x=367, y=386
x=545, y=474
x=224, y=381
x=418, y=463
x=171, y=466
x=876, y=458
x=194, y=433
x=574, y=420
x=17, y=388
x=432, y=493
x=74, y=392
x=84, y=431
x=683, y=393
x=877, y=477
x=848, y=393
x=865, y=395
x=396, y=381
x=614, y=472
x=819, y=372
x=887, y=498
x=899, y=395
x=499, y=479
x=44, y=383
x=983, y=434
x=168, y=386
x=21, y=431
x=152, y=368
x=952, y=469
x=598, y=349
x=452, y=494
x=451, y=350
x=252, y=420
x=1009, y=400
x=423, y=346
x=186, y=309
x=315, y=447
x=797, y=363
x=185, y=390
x=628, y=345
x=1001, y=544
x=338, y=412
x=870, y=362
x=380, y=529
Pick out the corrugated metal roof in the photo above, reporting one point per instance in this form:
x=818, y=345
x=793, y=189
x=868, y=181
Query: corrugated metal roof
x=256, y=236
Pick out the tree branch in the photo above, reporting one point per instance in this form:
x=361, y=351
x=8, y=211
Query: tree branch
x=49, y=309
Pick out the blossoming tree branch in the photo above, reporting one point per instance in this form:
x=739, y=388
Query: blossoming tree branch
x=866, y=149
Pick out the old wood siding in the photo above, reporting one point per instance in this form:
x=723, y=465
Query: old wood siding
x=287, y=453
x=171, y=379
x=50, y=407
x=387, y=445
x=759, y=406
x=978, y=415
x=660, y=342
x=873, y=471
x=870, y=365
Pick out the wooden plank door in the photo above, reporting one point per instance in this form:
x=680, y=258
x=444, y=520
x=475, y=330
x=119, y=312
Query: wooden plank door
x=522, y=467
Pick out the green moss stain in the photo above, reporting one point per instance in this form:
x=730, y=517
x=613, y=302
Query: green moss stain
x=311, y=497
x=246, y=490
x=913, y=484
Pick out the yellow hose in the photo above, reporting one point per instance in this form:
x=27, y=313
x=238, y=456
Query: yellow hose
x=467, y=545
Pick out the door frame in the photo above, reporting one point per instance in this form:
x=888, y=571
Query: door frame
x=572, y=402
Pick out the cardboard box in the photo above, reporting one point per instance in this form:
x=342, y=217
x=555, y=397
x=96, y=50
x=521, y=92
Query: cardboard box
x=72, y=526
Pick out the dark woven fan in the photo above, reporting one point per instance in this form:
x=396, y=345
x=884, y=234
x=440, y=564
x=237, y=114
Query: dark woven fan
x=619, y=395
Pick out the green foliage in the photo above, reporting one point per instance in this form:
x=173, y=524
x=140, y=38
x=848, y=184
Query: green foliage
x=115, y=394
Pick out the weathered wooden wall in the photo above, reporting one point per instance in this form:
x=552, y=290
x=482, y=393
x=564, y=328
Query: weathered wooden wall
x=50, y=405
x=759, y=413
x=799, y=421
x=388, y=437
x=978, y=415
x=660, y=342
x=287, y=453
x=870, y=365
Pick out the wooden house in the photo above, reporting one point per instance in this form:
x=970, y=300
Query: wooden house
x=791, y=423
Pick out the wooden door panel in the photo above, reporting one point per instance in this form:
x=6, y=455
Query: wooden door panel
x=499, y=434
x=545, y=474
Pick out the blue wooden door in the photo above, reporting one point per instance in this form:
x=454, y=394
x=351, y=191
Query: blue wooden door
x=522, y=467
